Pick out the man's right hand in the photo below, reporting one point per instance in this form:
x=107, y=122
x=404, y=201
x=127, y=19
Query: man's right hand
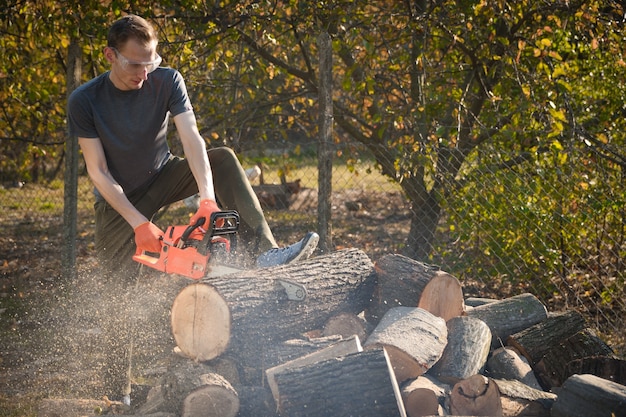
x=148, y=237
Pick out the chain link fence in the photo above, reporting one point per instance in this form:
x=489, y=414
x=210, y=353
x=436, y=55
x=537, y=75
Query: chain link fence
x=551, y=225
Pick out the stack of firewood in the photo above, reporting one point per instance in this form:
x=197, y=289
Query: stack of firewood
x=338, y=335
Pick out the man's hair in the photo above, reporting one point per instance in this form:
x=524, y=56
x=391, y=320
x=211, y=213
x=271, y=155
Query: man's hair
x=130, y=27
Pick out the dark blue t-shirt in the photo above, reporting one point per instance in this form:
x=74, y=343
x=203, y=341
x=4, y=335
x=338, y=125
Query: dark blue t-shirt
x=132, y=125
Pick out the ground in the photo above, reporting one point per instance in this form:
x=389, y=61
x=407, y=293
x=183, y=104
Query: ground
x=49, y=336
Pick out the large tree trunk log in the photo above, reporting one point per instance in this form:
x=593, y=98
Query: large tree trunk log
x=414, y=339
x=509, y=316
x=535, y=341
x=469, y=341
x=193, y=389
x=518, y=399
x=475, y=396
x=590, y=396
x=424, y=396
x=403, y=281
x=508, y=363
x=551, y=370
x=261, y=313
x=360, y=384
x=337, y=350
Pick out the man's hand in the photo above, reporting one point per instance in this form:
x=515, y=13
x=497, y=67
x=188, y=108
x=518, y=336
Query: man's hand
x=148, y=237
x=207, y=207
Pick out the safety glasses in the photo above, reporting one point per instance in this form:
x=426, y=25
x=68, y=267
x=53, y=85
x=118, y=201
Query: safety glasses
x=135, y=67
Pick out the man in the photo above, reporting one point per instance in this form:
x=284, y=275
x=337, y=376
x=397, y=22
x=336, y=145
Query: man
x=120, y=119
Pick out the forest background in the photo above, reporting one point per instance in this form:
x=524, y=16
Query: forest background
x=486, y=137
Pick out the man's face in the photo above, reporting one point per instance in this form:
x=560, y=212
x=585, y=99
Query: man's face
x=131, y=64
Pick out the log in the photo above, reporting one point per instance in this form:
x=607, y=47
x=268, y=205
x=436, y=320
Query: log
x=345, y=325
x=469, y=341
x=414, y=339
x=606, y=367
x=405, y=282
x=205, y=336
x=193, y=389
x=475, y=396
x=337, y=350
x=262, y=314
x=360, y=384
x=424, y=396
x=509, y=316
x=590, y=396
x=518, y=399
x=508, y=363
x=256, y=402
x=535, y=341
x=551, y=370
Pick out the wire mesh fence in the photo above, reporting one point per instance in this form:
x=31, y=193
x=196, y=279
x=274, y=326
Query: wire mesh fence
x=551, y=225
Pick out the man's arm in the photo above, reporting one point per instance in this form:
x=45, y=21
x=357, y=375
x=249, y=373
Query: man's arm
x=195, y=153
x=107, y=186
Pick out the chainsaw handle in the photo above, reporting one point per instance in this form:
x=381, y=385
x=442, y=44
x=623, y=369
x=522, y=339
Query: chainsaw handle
x=191, y=228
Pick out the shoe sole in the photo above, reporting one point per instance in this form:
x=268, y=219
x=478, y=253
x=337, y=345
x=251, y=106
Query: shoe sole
x=309, y=247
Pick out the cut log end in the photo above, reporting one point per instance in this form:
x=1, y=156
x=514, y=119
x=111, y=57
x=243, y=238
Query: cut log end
x=201, y=322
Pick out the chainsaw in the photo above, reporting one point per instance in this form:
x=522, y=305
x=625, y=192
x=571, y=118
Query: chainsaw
x=187, y=250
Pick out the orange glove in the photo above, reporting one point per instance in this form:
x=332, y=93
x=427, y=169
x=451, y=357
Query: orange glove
x=207, y=207
x=148, y=237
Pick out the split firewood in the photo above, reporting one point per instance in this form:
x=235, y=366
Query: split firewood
x=535, y=341
x=509, y=316
x=475, y=396
x=405, y=282
x=424, y=396
x=518, y=399
x=552, y=369
x=360, y=384
x=508, y=363
x=193, y=389
x=414, y=339
x=336, y=350
x=590, y=396
x=469, y=341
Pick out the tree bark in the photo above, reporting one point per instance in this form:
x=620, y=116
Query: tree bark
x=509, y=316
x=552, y=369
x=535, y=341
x=414, y=339
x=469, y=341
x=336, y=350
x=607, y=367
x=590, y=396
x=361, y=384
x=345, y=325
x=405, y=282
x=518, y=399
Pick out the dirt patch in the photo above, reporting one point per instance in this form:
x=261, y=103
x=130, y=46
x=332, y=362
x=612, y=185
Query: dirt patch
x=50, y=338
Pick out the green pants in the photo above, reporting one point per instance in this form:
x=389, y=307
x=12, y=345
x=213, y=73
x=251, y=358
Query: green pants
x=115, y=244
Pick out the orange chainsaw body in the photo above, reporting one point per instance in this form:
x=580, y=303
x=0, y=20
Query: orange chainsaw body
x=186, y=250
